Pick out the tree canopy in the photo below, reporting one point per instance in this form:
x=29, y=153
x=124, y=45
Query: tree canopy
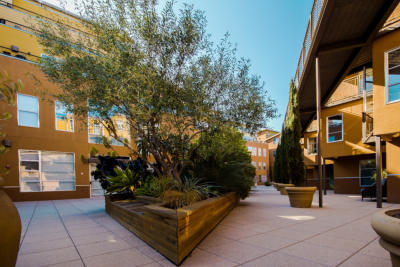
x=156, y=68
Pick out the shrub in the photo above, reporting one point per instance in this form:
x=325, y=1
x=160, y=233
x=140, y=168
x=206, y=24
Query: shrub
x=124, y=181
x=267, y=183
x=222, y=159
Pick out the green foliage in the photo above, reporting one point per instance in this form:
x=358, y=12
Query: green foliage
x=267, y=183
x=124, y=180
x=93, y=152
x=83, y=159
x=175, y=194
x=222, y=159
x=159, y=70
x=8, y=93
x=384, y=175
x=289, y=165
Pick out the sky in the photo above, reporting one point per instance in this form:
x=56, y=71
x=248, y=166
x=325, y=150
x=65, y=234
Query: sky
x=269, y=33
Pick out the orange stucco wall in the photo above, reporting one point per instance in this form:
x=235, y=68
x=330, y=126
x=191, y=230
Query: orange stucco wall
x=46, y=137
x=260, y=158
x=393, y=169
x=386, y=116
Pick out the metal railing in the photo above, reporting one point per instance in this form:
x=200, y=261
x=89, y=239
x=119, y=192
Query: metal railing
x=308, y=39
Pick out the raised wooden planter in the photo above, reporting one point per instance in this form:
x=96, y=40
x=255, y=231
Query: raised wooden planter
x=174, y=233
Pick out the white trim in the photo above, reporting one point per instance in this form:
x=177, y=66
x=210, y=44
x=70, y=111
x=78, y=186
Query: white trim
x=40, y=170
x=38, y=112
x=386, y=66
x=327, y=128
x=308, y=146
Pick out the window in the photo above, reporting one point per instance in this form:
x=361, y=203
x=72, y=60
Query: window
x=42, y=171
x=259, y=165
x=95, y=131
x=64, y=120
x=254, y=163
x=274, y=153
x=265, y=166
x=259, y=178
x=312, y=145
x=276, y=140
x=259, y=152
x=253, y=150
x=367, y=169
x=264, y=152
x=334, y=128
x=392, y=75
x=28, y=110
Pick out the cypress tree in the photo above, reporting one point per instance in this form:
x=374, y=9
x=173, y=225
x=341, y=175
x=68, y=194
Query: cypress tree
x=294, y=155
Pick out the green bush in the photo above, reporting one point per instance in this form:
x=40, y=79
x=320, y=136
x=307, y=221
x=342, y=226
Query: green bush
x=222, y=159
x=267, y=183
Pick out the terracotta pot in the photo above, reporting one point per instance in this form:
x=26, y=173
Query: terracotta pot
x=301, y=197
x=388, y=227
x=282, y=188
x=10, y=229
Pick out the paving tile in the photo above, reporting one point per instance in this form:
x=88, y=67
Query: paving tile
x=151, y=253
x=130, y=257
x=268, y=241
x=277, y=259
x=237, y=252
x=336, y=243
x=200, y=258
x=48, y=257
x=31, y=238
x=35, y=247
x=319, y=254
x=92, y=238
x=366, y=261
x=376, y=250
x=101, y=247
x=214, y=239
x=77, y=263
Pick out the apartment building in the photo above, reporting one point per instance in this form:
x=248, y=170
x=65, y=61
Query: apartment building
x=348, y=77
x=272, y=142
x=48, y=148
x=259, y=156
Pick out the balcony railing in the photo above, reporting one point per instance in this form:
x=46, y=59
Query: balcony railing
x=367, y=128
x=308, y=39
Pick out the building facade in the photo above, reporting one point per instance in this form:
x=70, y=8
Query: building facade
x=48, y=148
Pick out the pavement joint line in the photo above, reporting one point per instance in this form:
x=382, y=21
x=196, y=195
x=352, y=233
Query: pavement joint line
x=29, y=223
x=310, y=237
x=353, y=254
x=62, y=221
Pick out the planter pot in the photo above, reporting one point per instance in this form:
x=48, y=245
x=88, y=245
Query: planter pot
x=386, y=223
x=174, y=233
x=301, y=197
x=10, y=229
x=282, y=188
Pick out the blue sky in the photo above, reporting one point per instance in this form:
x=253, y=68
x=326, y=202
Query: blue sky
x=269, y=33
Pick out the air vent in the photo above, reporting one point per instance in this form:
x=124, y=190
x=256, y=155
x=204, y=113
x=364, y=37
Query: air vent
x=20, y=56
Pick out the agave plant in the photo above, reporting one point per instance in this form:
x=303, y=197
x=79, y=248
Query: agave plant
x=124, y=181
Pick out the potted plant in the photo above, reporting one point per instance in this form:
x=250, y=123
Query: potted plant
x=386, y=223
x=300, y=197
x=282, y=188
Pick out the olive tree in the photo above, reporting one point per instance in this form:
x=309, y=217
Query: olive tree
x=157, y=68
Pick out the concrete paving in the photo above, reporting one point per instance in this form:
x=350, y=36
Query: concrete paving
x=262, y=231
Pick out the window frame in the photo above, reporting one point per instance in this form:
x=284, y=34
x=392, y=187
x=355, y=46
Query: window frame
x=40, y=170
x=386, y=59
x=55, y=119
x=316, y=144
x=359, y=171
x=327, y=129
x=38, y=112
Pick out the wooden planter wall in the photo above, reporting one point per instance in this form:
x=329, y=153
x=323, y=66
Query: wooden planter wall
x=174, y=233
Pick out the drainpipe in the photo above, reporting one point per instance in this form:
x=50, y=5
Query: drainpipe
x=364, y=115
x=318, y=99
